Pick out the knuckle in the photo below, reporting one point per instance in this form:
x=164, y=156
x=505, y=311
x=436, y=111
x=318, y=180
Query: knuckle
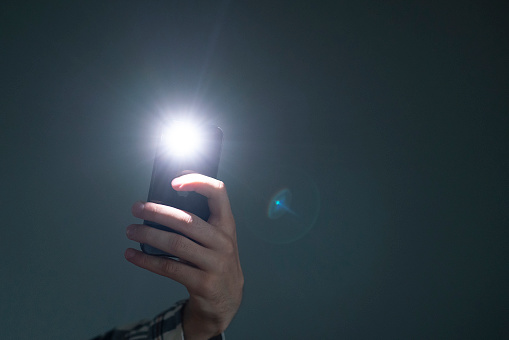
x=187, y=219
x=150, y=235
x=228, y=245
x=208, y=287
x=170, y=266
x=229, y=248
x=222, y=266
x=177, y=242
x=153, y=209
x=223, y=263
x=144, y=262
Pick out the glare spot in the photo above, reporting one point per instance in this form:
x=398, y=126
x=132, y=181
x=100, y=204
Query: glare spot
x=182, y=139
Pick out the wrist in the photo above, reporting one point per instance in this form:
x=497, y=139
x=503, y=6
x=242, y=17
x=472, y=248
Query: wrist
x=197, y=327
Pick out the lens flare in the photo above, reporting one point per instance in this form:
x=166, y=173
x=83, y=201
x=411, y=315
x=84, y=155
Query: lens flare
x=280, y=204
x=284, y=205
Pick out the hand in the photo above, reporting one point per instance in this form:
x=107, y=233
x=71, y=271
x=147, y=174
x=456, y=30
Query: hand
x=209, y=268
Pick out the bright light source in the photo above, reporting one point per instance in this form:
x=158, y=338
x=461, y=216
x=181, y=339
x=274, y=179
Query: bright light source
x=182, y=139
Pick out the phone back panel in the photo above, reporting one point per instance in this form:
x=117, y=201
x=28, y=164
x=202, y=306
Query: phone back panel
x=168, y=166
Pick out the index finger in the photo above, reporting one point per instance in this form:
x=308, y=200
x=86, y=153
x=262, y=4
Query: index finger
x=213, y=189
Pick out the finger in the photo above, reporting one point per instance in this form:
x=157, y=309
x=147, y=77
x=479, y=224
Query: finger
x=173, y=269
x=181, y=221
x=172, y=243
x=213, y=189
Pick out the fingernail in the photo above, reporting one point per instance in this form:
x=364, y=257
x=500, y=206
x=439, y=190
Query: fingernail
x=138, y=208
x=129, y=253
x=129, y=231
x=177, y=182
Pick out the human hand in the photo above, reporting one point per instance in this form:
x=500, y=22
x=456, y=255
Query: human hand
x=209, y=268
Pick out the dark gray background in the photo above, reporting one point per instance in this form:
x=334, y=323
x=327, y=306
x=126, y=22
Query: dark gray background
x=396, y=112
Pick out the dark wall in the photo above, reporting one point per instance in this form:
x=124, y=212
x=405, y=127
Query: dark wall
x=386, y=120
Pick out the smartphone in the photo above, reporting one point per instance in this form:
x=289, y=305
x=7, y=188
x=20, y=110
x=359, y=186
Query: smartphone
x=183, y=149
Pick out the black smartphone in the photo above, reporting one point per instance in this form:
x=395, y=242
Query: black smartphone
x=183, y=148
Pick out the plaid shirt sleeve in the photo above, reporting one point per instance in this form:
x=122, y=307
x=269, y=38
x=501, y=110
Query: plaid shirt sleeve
x=165, y=326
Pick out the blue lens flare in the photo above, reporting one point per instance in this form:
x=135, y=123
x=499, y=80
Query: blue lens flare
x=284, y=204
x=279, y=204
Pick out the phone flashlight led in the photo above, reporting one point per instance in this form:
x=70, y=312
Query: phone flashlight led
x=182, y=139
